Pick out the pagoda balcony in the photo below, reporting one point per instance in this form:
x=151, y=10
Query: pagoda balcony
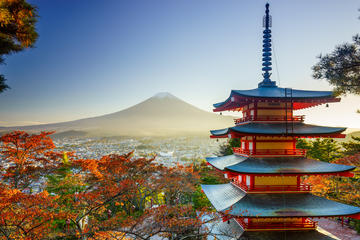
x=307, y=224
x=269, y=152
x=272, y=188
x=270, y=118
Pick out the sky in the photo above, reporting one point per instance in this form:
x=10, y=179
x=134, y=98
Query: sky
x=95, y=57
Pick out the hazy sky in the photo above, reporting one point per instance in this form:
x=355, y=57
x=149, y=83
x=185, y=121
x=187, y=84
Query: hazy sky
x=97, y=57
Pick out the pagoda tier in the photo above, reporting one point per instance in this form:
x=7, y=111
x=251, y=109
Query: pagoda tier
x=228, y=199
x=297, y=129
x=300, y=99
x=235, y=165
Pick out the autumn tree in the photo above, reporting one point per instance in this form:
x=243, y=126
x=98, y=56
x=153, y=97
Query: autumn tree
x=17, y=29
x=24, y=204
x=342, y=189
x=125, y=196
x=47, y=194
x=27, y=158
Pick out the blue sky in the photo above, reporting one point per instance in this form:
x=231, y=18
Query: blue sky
x=97, y=57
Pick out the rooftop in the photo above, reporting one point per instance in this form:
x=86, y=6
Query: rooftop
x=295, y=129
x=275, y=165
x=231, y=200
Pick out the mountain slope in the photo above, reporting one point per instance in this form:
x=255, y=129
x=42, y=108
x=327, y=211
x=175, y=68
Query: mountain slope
x=160, y=115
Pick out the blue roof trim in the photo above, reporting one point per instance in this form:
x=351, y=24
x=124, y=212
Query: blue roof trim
x=276, y=92
x=278, y=165
x=289, y=205
x=230, y=199
x=278, y=129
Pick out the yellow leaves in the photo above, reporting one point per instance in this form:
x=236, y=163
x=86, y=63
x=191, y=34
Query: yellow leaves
x=65, y=158
x=5, y=17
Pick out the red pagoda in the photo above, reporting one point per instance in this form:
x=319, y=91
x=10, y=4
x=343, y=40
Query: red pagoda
x=265, y=198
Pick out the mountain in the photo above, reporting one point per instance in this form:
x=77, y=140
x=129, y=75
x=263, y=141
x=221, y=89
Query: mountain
x=161, y=115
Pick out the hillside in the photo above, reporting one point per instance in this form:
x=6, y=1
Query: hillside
x=160, y=115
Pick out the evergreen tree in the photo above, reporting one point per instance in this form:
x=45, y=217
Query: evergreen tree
x=341, y=68
x=226, y=148
x=325, y=149
x=352, y=147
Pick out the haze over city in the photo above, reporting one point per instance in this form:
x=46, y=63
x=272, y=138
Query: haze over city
x=101, y=57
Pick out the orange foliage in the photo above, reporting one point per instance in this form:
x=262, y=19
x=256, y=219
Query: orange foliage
x=114, y=197
x=338, y=188
x=25, y=159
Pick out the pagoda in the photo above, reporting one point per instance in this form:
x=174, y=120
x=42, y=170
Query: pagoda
x=265, y=197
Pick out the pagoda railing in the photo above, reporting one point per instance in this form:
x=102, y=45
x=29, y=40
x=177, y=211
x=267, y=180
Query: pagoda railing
x=270, y=118
x=272, y=188
x=269, y=152
x=307, y=224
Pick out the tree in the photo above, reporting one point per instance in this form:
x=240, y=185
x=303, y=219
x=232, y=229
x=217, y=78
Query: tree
x=208, y=175
x=325, y=149
x=351, y=147
x=51, y=195
x=227, y=148
x=341, y=68
x=342, y=189
x=120, y=195
x=17, y=29
x=27, y=158
x=24, y=204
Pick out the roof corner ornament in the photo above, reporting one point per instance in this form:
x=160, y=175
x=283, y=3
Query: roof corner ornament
x=267, y=51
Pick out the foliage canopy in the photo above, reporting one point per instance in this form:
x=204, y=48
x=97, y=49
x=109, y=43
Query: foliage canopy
x=17, y=29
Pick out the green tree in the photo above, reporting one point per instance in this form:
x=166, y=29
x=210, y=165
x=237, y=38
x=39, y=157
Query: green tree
x=208, y=175
x=341, y=68
x=303, y=144
x=226, y=148
x=325, y=149
x=351, y=147
x=17, y=29
x=64, y=184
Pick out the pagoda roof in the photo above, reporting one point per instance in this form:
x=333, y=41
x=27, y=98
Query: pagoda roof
x=293, y=235
x=229, y=199
x=275, y=165
x=231, y=230
x=240, y=98
x=299, y=129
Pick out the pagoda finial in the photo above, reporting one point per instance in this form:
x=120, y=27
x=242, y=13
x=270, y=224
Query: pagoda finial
x=267, y=50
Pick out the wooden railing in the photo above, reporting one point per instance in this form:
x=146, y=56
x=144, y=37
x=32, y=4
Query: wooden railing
x=273, y=188
x=270, y=118
x=269, y=152
x=306, y=224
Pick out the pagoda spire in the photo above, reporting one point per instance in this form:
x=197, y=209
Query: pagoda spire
x=267, y=51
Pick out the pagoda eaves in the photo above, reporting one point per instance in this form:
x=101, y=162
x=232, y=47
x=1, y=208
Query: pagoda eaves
x=276, y=165
x=301, y=98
